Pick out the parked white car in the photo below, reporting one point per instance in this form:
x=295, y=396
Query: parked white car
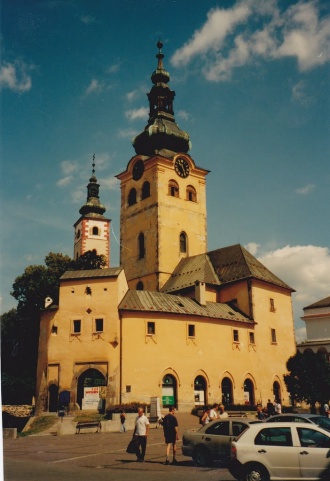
x=281, y=451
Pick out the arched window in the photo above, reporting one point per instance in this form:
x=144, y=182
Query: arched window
x=227, y=391
x=191, y=194
x=183, y=243
x=139, y=286
x=248, y=392
x=173, y=188
x=95, y=230
x=145, y=190
x=132, y=197
x=141, y=246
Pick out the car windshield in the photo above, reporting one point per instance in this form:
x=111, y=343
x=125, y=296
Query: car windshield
x=322, y=421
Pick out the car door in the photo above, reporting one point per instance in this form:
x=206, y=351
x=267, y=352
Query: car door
x=217, y=439
x=274, y=449
x=314, y=453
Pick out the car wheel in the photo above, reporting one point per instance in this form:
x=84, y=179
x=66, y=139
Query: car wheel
x=202, y=456
x=256, y=472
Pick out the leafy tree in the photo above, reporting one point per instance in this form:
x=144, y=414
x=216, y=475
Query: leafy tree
x=308, y=378
x=89, y=260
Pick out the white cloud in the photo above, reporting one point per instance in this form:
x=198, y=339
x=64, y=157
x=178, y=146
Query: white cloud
x=141, y=113
x=132, y=95
x=226, y=41
x=87, y=19
x=304, y=268
x=182, y=114
x=69, y=166
x=15, y=76
x=110, y=183
x=210, y=36
x=64, y=181
x=126, y=133
x=94, y=86
x=305, y=190
x=252, y=247
x=113, y=68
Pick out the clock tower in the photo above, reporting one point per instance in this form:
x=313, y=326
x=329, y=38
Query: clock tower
x=163, y=195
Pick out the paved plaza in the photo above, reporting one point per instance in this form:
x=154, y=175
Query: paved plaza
x=101, y=456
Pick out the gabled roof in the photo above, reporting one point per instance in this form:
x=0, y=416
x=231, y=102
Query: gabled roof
x=91, y=273
x=220, y=267
x=322, y=303
x=153, y=301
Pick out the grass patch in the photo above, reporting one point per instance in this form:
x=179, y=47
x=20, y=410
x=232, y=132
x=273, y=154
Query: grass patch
x=88, y=417
x=39, y=425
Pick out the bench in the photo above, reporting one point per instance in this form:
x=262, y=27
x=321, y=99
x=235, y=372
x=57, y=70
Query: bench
x=236, y=414
x=88, y=424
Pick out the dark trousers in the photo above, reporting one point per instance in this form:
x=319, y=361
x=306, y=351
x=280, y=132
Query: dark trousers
x=142, y=445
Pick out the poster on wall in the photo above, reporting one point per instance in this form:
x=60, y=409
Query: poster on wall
x=246, y=397
x=91, y=398
x=155, y=412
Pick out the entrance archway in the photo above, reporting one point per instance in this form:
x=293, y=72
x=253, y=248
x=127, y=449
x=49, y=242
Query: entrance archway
x=277, y=391
x=89, y=379
x=227, y=391
x=169, y=391
x=200, y=393
x=248, y=392
x=53, y=398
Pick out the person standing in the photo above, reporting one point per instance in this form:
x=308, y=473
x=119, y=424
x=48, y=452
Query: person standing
x=206, y=416
x=270, y=408
x=171, y=434
x=222, y=411
x=122, y=422
x=141, y=432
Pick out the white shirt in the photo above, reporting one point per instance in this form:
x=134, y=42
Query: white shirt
x=141, y=424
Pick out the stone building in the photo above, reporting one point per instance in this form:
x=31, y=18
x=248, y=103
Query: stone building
x=174, y=320
x=317, y=320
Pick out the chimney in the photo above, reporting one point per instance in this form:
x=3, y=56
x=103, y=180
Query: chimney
x=48, y=302
x=200, y=293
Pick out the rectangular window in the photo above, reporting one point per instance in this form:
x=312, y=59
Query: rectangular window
x=235, y=335
x=98, y=325
x=151, y=329
x=128, y=388
x=273, y=336
x=191, y=330
x=251, y=338
x=76, y=326
x=271, y=305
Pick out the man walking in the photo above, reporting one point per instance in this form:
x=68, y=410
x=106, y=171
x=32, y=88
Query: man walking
x=141, y=432
x=170, y=426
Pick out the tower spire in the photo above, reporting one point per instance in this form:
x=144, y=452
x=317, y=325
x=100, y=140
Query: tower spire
x=161, y=131
x=93, y=206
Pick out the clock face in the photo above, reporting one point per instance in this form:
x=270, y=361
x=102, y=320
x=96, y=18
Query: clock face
x=138, y=170
x=181, y=167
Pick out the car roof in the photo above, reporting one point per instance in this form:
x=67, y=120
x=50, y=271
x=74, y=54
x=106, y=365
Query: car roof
x=285, y=424
x=303, y=415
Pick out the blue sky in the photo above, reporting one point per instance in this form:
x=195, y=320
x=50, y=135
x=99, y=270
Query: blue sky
x=252, y=90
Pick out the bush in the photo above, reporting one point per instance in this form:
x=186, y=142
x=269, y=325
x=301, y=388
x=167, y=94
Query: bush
x=128, y=408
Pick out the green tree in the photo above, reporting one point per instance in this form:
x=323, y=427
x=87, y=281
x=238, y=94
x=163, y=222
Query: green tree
x=89, y=260
x=308, y=378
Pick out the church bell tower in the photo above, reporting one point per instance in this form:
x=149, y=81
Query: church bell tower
x=91, y=231
x=163, y=194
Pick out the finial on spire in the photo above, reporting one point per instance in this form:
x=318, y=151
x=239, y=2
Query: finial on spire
x=93, y=165
x=160, y=55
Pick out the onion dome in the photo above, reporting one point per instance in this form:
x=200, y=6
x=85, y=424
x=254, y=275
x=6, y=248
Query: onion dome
x=93, y=206
x=161, y=132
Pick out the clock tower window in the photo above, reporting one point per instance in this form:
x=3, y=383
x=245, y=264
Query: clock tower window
x=145, y=190
x=183, y=243
x=173, y=188
x=132, y=197
x=191, y=194
x=141, y=246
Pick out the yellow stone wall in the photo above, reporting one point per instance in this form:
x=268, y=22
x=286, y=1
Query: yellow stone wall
x=63, y=355
x=161, y=217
